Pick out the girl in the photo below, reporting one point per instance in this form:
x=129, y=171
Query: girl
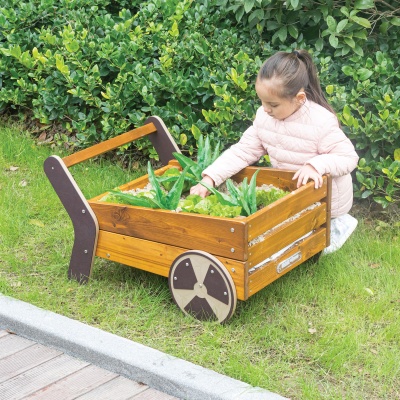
x=299, y=130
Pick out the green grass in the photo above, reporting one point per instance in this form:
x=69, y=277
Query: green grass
x=350, y=300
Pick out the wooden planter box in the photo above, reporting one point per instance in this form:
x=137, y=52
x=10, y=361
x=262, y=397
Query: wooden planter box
x=203, y=256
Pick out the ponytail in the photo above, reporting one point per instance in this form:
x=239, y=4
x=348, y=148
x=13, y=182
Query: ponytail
x=295, y=71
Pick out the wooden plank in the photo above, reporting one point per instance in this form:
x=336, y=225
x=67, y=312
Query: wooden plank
x=285, y=208
x=266, y=274
x=11, y=344
x=225, y=237
x=137, y=183
x=286, y=234
x=158, y=257
x=72, y=386
x=280, y=178
x=39, y=377
x=109, y=144
x=153, y=394
x=24, y=360
x=3, y=333
x=119, y=388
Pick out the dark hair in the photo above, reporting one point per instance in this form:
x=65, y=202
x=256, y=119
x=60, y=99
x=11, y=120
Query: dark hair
x=295, y=71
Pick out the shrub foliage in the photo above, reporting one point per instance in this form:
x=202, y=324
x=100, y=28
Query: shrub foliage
x=100, y=68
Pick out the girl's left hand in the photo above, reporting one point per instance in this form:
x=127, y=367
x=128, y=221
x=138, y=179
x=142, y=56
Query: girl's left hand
x=307, y=172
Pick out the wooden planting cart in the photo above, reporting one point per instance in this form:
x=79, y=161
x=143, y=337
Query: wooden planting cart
x=210, y=262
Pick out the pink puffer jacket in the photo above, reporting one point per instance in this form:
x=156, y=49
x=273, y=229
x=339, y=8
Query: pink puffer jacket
x=311, y=135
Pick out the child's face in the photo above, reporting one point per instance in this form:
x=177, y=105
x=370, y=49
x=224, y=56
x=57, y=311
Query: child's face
x=274, y=105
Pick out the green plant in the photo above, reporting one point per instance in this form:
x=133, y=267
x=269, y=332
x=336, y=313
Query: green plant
x=380, y=180
x=244, y=195
x=205, y=157
x=156, y=197
x=343, y=26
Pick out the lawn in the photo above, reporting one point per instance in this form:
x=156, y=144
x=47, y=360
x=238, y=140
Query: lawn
x=329, y=330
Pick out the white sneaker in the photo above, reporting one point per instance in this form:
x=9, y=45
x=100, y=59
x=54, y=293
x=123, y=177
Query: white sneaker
x=341, y=229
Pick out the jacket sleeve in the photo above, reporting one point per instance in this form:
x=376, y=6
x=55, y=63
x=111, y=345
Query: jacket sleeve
x=247, y=151
x=337, y=155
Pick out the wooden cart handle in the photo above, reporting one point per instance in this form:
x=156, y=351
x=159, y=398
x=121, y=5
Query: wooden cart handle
x=158, y=133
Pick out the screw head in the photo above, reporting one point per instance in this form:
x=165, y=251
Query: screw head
x=233, y=269
x=85, y=251
x=232, y=250
x=83, y=211
x=175, y=278
x=232, y=230
x=212, y=271
x=225, y=294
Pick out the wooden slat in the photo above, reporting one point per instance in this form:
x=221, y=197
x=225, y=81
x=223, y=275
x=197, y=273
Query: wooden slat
x=286, y=234
x=40, y=377
x=137, y=183
x=266, y=274
x=3, y=333
x=25, y=359
x=153, y=394
x=119, y=388
x=280, y=178
x=225, y=237
x=285, y=208
x=109, y=144
x=158, y=257
x=75, y=384
x=10, y=344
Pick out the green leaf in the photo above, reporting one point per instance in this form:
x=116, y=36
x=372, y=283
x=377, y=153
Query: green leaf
x=396, y=154
x=341, y=25
x=361, y=21
x=222, y=197
x=330, y=89
x=331, y=22
x=128, y=198
x=282, y=33
x=188, y=162
x=395, y=21
x=363, y=4
x=248, y=5
x=174, y=195
x=293, y=31
x=350, y=41
x=72, y=46
x=319, y=44
x=334, y=41
x=364, y=73
x=155, y=184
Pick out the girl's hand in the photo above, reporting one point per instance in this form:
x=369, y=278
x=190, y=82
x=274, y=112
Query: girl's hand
x=200, y=189
x=305, y=173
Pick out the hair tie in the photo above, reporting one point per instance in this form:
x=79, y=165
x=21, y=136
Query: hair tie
x=297, y=54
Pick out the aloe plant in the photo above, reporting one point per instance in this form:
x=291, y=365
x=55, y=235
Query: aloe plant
x=205, y=157
x=158, y=198
x=243, y=195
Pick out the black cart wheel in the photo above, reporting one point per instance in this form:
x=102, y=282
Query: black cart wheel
x=202, y=287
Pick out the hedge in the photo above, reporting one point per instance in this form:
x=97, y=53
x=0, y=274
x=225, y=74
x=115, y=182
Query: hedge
x=100, y=68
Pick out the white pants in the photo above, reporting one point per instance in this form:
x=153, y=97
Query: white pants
x=341, y=229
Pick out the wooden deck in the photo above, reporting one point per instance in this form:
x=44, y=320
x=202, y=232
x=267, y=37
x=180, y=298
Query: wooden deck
x=29, y=370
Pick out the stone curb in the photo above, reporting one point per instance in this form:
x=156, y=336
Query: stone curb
x=156, y=369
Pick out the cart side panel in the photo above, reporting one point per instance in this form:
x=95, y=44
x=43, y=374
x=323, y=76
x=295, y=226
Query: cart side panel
x=274, y=269
x=282, y=179
x=225, y=237
x=287, y=234
x=158, y=257
x=285, y=208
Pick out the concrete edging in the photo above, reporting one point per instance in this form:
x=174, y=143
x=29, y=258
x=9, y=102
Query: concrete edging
x=133, y=360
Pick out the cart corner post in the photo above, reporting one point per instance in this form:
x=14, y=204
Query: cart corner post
x=162, y=140
x=84, y=220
